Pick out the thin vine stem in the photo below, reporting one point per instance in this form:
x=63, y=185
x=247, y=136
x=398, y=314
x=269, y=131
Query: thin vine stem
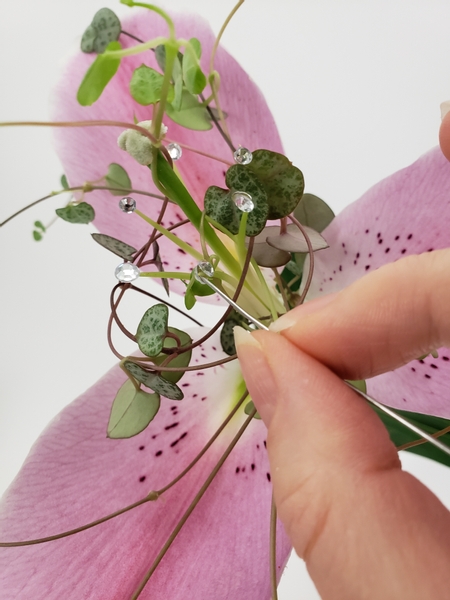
x=154, y=297
x=311, y=259
x=421, y=441
x=273, y=550
x=192, y=506
x=161, y=368
x=280, y=284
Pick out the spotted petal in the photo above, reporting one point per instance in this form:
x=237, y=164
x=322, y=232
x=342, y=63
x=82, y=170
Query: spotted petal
x=407, y=213
x=86, y=153
x=74, y=475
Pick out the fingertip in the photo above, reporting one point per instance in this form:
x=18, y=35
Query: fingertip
x=444, y=130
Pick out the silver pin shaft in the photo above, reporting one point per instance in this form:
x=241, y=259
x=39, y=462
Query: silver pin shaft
x=382, y=407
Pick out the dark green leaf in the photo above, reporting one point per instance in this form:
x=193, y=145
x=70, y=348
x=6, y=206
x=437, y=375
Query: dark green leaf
x=146, y=85
x=192, y=114
x=284, y=183
x=160, y=55
x=77, y=213
x=314, y=212
x=154, y=381
x=131, y=412
x=117, y=177
x=37, y=236
x=98, y=76
x=193, y=76
x=182, y=360
x=220, y=207
x=104, y=29
x=64, y=182
x=227, y=336
x=400, y=435
x=152, y=329
x=239, y=178
x=115, y=246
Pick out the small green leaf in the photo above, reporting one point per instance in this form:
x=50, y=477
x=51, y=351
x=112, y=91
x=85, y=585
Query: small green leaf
x=192, y=114
x=177, y=76
x=37, y=236
x=77, y=213
x=194, y=289
x=314, y=212
x=104, y=29
x=360, y=384
x=131, y=411
x=154, y=381
x=146, y=85
x=193, y=75
x=283, y=183
x=99, y=74
x=152, y=330
x=249, y=408
x=64, y=182
x=40, y=225
x=115, y=246
x=117, y=177
x=220, y=207
x=182, y=360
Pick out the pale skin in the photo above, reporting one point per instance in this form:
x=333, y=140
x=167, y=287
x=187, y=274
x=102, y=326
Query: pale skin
x=366, y=529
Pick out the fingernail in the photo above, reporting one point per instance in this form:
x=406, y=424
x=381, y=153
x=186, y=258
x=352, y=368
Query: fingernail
x=445, y=108
x=257, y=373
x=295, y=315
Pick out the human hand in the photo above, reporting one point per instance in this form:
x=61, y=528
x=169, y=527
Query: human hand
x=366, y=529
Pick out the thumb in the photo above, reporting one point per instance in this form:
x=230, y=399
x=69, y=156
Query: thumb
x=365, y=528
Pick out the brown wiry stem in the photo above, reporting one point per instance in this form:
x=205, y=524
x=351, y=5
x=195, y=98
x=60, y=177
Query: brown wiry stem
x=273, y=550
x=311, y=258
x=280, y=284
x=422, y=440
x=239, y=287
x=162, y=367
x=151, y=496
x=137, y=289
x=192, y=506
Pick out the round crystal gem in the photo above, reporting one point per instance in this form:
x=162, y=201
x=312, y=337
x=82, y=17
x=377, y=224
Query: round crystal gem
x=127, y=272
x=243, y=156
x=203, y=269
x=127, y=204
x=174, y=150
x=243, y=201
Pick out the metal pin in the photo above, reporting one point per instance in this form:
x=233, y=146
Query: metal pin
x=423, y=434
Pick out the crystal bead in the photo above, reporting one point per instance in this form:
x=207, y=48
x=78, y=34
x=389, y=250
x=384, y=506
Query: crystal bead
x=203, y=269
x=127, y=272
x=174, y=150
x=243, y=156
x=243, y=201
x=127, y=204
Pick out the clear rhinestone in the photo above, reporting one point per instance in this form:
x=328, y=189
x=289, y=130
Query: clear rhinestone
x=203, y=269
x=243, y=156
x=127, y=204
x=126, y=272
x=174, y=150
x=243, y=201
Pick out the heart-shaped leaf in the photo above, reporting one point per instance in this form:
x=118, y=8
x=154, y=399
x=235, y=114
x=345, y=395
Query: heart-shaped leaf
x=220, y=207
x=284, y=183
x=294, y=240
x=117, y=177
x=192, y=114
x=154, y=381
x=193, y=75
x=104, y=29
x=98, y=76
x=115, y=246
x=227, y=336
x=239, y=178
x=77, y=213
x=146, y=86
x=131, y=411
x=152, y=330
x=180, y=361
x=314, y=212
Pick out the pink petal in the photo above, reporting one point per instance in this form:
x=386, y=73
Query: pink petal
x=86, y=153
x=74, y=475
x=407, y=213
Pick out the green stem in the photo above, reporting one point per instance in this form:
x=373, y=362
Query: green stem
x=137, y=49
x=170, y=185
x=167, y=275
x=173, y=238
x=171, y=54
x=155, y=9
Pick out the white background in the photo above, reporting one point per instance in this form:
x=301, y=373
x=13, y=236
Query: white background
x=355, y=88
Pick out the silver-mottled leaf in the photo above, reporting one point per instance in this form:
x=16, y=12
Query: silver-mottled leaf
x=152, y=329
x=154, y=381
x=113, y=245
